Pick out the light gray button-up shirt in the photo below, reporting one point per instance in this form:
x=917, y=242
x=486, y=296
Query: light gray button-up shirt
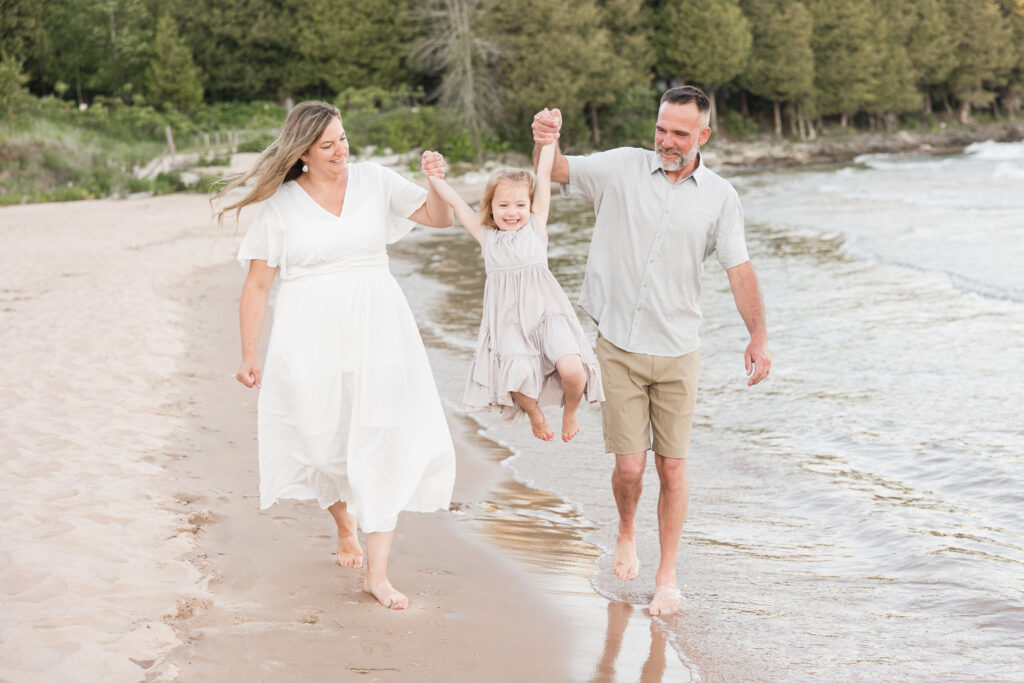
x=651, y=237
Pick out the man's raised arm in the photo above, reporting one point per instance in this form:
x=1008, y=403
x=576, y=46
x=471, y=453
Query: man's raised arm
x=546, y=124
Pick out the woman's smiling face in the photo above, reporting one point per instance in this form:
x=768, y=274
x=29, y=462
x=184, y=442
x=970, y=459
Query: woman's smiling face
x=329, y=154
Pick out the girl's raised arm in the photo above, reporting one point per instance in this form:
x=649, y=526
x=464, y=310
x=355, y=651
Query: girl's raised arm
x=542, y=192
x=463, y=211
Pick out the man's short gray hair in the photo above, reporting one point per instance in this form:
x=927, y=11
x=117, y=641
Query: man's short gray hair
x=685, y=94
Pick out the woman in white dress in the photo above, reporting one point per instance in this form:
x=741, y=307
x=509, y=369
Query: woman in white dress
x=349, y=413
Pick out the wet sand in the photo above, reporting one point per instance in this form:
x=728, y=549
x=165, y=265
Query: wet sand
x=134, y=549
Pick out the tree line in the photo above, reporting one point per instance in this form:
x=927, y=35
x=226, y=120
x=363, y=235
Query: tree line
x=793, y=64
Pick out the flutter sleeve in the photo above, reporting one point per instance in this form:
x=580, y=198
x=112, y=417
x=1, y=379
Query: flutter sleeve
x=265, y=239
x=404, y=198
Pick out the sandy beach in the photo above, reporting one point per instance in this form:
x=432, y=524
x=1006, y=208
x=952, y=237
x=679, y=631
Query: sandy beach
x=133, y=547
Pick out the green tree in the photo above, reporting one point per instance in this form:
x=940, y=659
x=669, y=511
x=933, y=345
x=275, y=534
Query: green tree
x=896, y=91
x=846, y=56
x=548, y=54
x=13, y=94
x=702, y=41
x=100, y=47
x=627, y=62
x=290, y=48
x=781, y=66
x=174, y=80
x=72, y=46
x=985, y=53
x=20, y=28
x=455, y=47
x=930, y=47
x=1013, y=96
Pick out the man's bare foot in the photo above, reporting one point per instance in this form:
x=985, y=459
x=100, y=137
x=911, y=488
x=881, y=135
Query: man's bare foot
x=350, y=553
x=570, y=424
x=627, y=564
x=666, y=601
x=386, y=594
x=540, y=426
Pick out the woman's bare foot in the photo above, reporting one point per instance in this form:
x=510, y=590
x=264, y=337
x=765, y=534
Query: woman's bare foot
x=350, y=553
x=540, y=427
x=570, y=424
x=386, y=594
x=666, y=601
x=627, y=564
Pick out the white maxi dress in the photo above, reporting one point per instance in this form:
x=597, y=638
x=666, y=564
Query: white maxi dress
x=348, y=408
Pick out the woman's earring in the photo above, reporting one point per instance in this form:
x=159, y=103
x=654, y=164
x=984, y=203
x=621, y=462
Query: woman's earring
x=305, y=168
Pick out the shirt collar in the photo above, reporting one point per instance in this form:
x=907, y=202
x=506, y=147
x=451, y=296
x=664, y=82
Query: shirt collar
x=654, y=163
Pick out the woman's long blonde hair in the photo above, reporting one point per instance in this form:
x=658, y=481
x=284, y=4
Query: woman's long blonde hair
x=280, y=161
x=504, y=175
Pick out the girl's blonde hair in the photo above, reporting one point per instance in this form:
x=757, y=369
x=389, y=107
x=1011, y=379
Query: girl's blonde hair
x=505, y=175
x=280, y=162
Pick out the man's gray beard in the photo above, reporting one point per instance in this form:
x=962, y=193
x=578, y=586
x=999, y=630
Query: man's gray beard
x=679, y=165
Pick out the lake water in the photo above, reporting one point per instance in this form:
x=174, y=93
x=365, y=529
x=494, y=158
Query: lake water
x=859, y=515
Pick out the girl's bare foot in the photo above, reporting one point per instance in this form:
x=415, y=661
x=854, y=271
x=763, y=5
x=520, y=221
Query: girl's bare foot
x=570, y=424
x=350, y=553
x=386, y=594
x=540, y=427
x=537, y=421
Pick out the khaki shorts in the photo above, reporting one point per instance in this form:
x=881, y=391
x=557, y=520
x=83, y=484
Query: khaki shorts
x=645, y=393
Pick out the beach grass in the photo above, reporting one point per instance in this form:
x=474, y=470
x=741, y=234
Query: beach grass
x=44, y=160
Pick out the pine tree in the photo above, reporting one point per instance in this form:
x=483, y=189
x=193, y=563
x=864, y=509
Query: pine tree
x=20, y=29
x=846, y=56
x=781, y=66
x=897, y=77
x=628, y=58
x=12, y=84
x=173, y=77
x=985, y=54
x=1013, y=96
x=72, y=46
x=549, y=53
x=455, y=47
x=706, y=42
x=930, y=47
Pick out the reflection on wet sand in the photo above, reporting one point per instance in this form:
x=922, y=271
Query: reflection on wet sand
x=546, y=535
x=656, y=664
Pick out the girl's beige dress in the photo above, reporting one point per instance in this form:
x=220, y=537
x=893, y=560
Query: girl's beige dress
x=527, y=325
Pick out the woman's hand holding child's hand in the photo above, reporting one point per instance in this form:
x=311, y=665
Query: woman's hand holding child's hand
x=433, y=164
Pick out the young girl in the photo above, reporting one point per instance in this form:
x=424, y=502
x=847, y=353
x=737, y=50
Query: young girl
x=531, y=350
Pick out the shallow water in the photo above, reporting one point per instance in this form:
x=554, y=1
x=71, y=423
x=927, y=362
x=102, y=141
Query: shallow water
x=860, y=515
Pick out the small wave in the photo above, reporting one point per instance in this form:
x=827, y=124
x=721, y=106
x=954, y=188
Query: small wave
x=997, y=151
x=900, y=162
x=857, y=247
x=441, y=333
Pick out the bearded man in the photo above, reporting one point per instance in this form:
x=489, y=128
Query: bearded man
x=659, y=215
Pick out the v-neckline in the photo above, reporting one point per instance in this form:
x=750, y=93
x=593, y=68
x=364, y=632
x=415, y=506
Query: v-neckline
x=344, y=200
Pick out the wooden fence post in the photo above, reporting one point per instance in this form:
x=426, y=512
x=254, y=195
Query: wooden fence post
x=170, y=141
